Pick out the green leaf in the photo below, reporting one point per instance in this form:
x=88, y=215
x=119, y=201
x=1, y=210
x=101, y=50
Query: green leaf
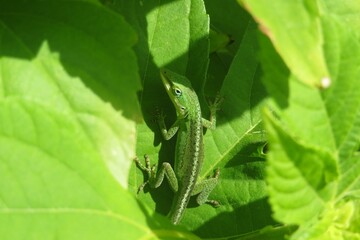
x=199, y=45
x=354, y=223
x=67, y=111
x=70, y=97
x=334, y=224
x=231, y=21
x=343, y=51
x=52, y=53
x=164, y=41
x=315, y=137
x=65, y=27
x=349, y=184
x=54, y=183
x=218, y=41
x=300, y=177
x=298, y=39
x=346, y=11
x=238, y=135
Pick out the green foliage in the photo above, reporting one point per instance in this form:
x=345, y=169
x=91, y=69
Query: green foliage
x=77, y=77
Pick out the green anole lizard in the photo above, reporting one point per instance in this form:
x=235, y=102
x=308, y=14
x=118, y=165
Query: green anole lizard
x=189, y=152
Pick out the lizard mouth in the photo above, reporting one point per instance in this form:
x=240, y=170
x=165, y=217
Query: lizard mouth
x=165, y=80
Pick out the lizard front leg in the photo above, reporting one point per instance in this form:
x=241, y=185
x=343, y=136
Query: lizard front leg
x=213, y=107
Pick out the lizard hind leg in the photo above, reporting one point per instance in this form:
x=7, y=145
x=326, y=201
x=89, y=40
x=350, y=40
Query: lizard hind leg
x=155, y=179
x=204, y=188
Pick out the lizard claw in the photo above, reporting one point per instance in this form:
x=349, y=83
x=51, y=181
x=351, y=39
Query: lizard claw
x=159, y=114
x=141, y=187
x=215, y=105
x=217, y=173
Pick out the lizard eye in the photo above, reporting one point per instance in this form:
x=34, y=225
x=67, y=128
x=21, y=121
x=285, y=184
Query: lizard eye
x=177, y=92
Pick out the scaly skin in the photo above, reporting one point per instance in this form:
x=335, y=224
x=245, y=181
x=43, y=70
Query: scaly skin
x=189, y=152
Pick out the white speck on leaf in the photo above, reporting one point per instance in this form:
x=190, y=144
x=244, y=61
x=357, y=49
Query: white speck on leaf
x=325, y=82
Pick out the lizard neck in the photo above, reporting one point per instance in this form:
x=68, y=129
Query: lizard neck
x=194, y=109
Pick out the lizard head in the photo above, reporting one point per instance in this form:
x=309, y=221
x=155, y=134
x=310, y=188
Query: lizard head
x=179, y=90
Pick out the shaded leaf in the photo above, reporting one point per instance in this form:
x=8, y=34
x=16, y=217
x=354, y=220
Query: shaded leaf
x=67, y=112
x=50, y=55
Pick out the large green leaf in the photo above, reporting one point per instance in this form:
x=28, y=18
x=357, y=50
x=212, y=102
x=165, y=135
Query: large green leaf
x=163, y=41
x=299, y=177
x=229, y=22
x=54, y=183
x=346, y=11
x=52, y=53
x=229, y=146
x=179, y=43
x=67, y=110
x=316, y=134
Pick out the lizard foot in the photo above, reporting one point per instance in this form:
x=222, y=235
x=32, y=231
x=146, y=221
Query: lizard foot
x=149, y=170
